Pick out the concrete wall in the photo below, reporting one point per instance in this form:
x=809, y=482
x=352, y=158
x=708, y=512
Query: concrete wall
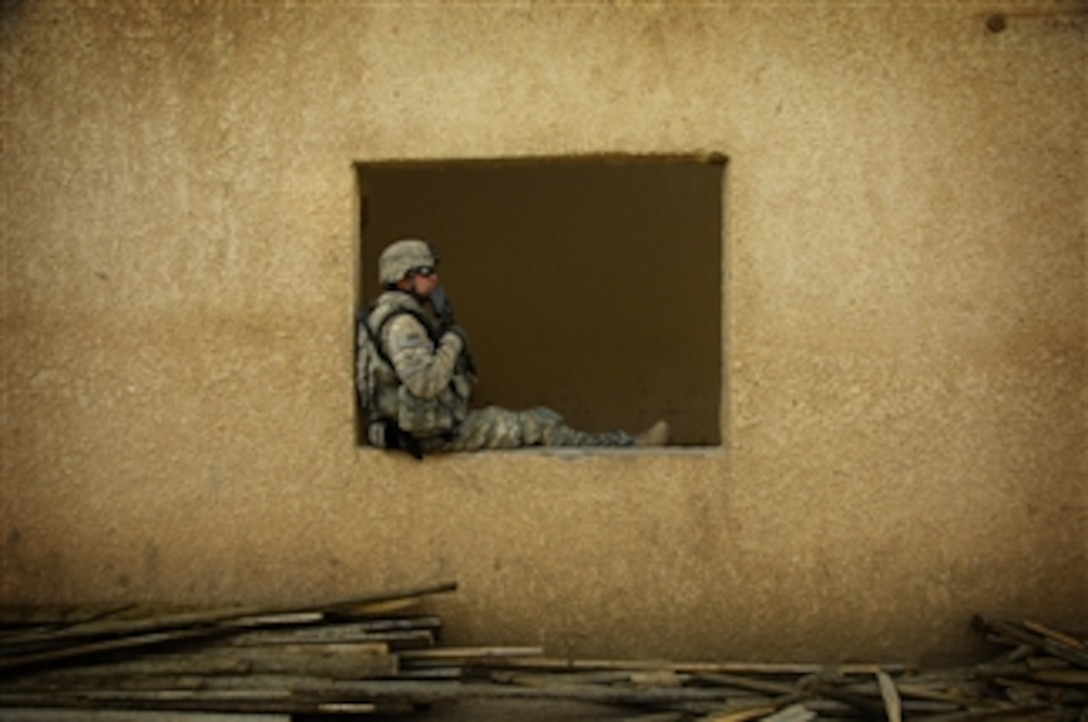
x=904, y=317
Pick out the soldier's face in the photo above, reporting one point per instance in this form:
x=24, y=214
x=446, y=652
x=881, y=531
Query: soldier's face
x=423, y=284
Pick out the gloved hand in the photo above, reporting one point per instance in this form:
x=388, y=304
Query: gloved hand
x=459, y=333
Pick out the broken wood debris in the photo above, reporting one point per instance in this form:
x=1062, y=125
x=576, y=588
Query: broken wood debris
x=379, y=655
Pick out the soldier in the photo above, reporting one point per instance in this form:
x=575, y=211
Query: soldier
x=415, y=374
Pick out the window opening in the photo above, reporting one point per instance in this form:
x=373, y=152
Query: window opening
x=593, y=286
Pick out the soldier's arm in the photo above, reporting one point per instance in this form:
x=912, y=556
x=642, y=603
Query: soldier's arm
x=426, y=369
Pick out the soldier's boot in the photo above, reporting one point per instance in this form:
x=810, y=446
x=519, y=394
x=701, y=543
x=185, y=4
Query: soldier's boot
x=656, y=435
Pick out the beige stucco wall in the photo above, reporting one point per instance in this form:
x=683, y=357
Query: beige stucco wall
x=905, y=305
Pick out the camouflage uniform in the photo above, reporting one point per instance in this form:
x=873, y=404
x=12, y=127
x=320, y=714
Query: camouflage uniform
x=497, y=428
x=428, y=387
x=426, y=390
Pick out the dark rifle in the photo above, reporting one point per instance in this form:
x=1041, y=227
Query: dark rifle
x=443, y=310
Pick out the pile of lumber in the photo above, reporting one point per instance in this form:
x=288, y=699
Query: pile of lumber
x=239, y=659
x=1043, y=675
x=380, y=655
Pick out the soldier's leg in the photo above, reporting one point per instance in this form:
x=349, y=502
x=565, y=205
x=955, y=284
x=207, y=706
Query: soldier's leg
x=489, y=428
x=498, y=428
x=555, y=432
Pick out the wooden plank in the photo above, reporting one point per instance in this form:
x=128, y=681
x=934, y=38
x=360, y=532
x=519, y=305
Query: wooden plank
x=1072, y=677
x=445, y=654
x=375, y=692
x=431, y=673
x=394, y=690
x=741, y=715
x=165, y=664
x=658, y=678
x=44, y=714
x=1038, y=636
x=232, y=701
x=953, y=691
x=22, y=662
x=347, y=708
x=377, y=609
x=741, y=682
x=1054, y=635
x=653, y=717
x=1038, y=662
x=237, y=615
x=317, y=635
x=341, y=661
x=358, y=708
x=771, y=668
x=862, y=703
x=1016, y=654
x=24, y=616
x=317, y=661
x=793, y=713
x=1018, y=712
x=335, y=632
x=538, y=679
x=888, y=692
x=294, y=682
x=277, y=620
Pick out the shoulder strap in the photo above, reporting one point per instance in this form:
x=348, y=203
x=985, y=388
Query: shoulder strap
x=376, y=334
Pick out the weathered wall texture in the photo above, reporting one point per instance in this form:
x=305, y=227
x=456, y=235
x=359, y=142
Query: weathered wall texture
x=904, y=416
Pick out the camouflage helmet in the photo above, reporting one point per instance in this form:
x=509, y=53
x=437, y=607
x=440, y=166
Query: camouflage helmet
x=401, y=257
